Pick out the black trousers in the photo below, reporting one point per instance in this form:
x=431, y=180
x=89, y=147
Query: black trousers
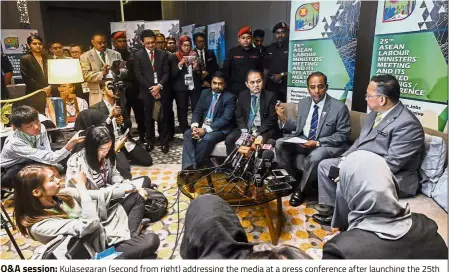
x=138, y=156
x=235, y=135
x=140, y=246
x=123, y=165
x=150, y=122
x=182, y=98
x=138, y=108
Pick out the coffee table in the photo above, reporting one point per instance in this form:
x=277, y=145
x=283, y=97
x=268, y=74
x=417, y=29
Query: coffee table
x=212, y=177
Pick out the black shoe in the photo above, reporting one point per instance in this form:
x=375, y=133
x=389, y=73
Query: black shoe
x=296, y=199
x=165, y=149
x=149, y=147
x=322, y=219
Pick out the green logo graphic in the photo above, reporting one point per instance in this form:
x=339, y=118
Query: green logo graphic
x=307, y=16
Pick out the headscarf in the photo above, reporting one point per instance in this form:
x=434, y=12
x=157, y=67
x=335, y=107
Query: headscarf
x=213, y=231
x=366, y=198
x=180, y=53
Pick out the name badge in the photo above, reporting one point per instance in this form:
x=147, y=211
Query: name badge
x=155, y=78
x=207, y=121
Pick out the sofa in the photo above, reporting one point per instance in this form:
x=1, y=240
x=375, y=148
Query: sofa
x=422, y=202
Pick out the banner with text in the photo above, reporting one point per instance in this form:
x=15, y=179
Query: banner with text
x=323, y=38
x=411, y=43
x=14, y=46
x=216, y=41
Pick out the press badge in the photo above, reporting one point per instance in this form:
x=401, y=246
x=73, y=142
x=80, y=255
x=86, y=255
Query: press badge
x=85, y=88
x=156, y=81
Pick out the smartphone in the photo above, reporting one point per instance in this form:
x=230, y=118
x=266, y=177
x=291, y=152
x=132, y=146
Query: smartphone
x=84, y=132
x=334, y=173
x=280, y=173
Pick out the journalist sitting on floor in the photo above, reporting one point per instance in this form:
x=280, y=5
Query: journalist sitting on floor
x=44, y=212
x=97, y=161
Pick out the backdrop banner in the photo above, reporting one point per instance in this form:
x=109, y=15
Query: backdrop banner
x=323, y=38
x=14, y=46
x=134, y=28
x=411, y=43
x=215, y=41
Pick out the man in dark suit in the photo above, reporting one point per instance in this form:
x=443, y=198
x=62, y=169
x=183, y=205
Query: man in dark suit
x=324, y=123
x=152, y=71
x=119, y=121
x=207, y=58
x=255, y=112
x=391, y=131
x=211, y=122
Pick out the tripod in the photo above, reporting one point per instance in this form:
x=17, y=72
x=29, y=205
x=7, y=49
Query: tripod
x=5, y=225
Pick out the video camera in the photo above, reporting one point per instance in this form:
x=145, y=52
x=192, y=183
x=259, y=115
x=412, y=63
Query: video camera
x=114, y=79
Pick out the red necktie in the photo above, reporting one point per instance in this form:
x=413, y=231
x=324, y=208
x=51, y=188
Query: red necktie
x=152, y=59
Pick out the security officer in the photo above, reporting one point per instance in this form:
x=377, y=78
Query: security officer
x=276, y=62
x=240, y=60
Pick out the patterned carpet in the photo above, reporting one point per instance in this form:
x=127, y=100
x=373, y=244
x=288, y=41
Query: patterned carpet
x=299, y=229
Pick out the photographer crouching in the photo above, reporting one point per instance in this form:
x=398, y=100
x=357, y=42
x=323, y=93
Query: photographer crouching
x=126, y=149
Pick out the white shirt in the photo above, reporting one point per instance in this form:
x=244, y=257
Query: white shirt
x=82, y=105
x=208, y=128
x=202, y=52
x=307, y=126
x=107, y=60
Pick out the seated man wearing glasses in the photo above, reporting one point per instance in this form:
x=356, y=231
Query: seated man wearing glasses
x=391, y=131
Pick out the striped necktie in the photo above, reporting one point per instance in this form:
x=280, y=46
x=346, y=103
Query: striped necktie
x=314, y=122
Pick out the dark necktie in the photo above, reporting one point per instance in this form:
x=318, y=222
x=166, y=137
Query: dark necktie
x=102, y=56
x=201, y=54
x=314, y=122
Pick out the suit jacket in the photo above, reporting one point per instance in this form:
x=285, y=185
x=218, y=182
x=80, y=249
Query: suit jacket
x=145, y=73
x=34, y=77
x=334, y=123
x=223, y=114
x=267, y=100
x=421, y=242
x=399, y=139
x=103, y=108
x=178, y=76
x=211, y=63
x=92, y=71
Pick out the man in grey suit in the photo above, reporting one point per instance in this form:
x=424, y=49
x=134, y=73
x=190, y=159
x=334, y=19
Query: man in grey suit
x=96, y=64
x=391, y=131
x=324, y=123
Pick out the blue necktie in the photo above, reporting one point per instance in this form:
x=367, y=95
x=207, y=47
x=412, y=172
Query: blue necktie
x=212, y=106
x=314, y=122
x=253, y=111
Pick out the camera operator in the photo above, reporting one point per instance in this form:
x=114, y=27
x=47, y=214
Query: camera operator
x=125, y=148
x=132, y=87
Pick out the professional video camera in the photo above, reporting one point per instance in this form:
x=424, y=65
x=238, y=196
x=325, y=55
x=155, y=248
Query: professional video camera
x=114, y=79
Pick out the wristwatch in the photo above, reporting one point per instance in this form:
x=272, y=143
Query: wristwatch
x=318, y=144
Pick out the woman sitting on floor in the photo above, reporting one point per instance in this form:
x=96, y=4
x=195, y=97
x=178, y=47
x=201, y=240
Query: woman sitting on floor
x=44, y=212
x=97, y=161
x=375, y=224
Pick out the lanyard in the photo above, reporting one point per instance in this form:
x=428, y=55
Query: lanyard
x=103, y=170
x=212, y=107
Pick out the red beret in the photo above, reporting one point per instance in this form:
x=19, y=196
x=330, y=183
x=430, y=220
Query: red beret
x=245, y=30
x=119, y=34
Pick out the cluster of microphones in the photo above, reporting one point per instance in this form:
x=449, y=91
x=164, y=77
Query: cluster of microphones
x=252, y=160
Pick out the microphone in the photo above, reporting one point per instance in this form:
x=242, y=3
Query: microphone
x=243, y=150
x=240, y=142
